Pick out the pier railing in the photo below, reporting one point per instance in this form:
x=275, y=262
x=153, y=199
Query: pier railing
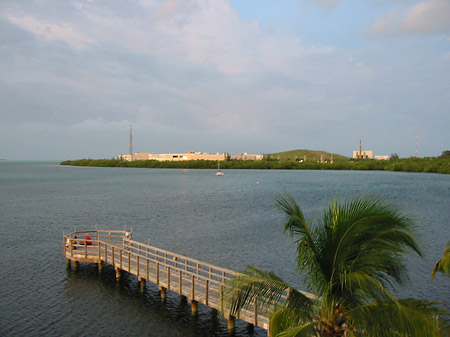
x=198, y=281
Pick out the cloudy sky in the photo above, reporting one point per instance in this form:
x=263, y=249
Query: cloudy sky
x=256, y=76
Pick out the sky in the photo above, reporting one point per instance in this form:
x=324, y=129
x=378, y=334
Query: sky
x=256, y=76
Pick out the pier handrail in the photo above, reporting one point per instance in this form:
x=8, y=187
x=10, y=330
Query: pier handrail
x=76, y=240
x=197, y=280
x=176, y=260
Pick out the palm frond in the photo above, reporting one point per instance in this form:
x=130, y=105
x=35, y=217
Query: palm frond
x=308, y=253
x=267, y=289
x=295, y=222
x=304, y=330
x=366, y=235
x=299, y=299
x=254, y=284
x=443, y=265
x=285, y=318
x=360, y=287
x=409, y=317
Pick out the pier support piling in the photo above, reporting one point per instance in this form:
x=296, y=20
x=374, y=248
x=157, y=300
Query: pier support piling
x=162, y=292
x=75, y=265
x=67, y=263
x=231, y=325
x=117, y=274
x=194, y=307
x=100, y=266
x=142, y=283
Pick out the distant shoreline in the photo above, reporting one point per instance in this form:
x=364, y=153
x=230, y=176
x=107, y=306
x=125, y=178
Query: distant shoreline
x=439, y=165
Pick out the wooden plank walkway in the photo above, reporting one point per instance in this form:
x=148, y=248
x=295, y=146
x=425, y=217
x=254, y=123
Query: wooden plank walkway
x=198, y=281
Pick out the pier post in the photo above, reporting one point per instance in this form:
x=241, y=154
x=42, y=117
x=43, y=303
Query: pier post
x=194, y=307
x=142, y=282
x=117, y=274
x=194, y=280
x=231, y=324
x=162, y=292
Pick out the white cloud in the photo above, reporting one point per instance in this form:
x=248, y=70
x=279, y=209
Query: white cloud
x=52, y=31
x=428, y=17
x=385, y=24
x=202, y=33
x=197, y=74
x=328, y=3
x=425, y=17
x=173, y=9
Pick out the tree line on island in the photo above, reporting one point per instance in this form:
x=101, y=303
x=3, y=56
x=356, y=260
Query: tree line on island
x=439, y=164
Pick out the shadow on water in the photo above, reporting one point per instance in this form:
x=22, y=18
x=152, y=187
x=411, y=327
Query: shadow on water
x=97, y=299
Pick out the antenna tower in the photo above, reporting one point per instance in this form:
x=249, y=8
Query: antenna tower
x=131, y=141
x=360, y=149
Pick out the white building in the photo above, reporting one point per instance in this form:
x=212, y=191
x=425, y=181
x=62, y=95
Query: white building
x=359, y=154
x=187, y=156
x=381, y=157
x=246, y=156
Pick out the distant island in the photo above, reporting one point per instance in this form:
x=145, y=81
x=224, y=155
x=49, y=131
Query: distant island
x=289, y=160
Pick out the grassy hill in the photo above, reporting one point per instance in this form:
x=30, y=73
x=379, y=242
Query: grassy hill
x=309, y=155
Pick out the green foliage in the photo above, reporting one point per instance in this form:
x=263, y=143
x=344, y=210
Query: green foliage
x=427, y=165
x=310, y=155
x=443, y=265
x=351, y=259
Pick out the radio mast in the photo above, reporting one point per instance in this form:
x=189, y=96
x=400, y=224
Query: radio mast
x=360, y=149
x=131, y=142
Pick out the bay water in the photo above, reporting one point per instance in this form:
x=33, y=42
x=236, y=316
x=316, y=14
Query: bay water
x=229, y=221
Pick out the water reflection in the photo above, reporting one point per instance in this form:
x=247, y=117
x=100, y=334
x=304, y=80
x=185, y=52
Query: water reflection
x=120, y=306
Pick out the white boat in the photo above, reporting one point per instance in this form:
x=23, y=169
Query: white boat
x=219, y=172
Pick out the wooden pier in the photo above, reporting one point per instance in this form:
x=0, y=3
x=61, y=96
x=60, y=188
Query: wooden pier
x=200, y=282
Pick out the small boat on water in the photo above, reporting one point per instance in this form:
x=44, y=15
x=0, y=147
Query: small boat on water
x=219, y=172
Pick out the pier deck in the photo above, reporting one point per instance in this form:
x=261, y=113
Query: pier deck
x=198, y=281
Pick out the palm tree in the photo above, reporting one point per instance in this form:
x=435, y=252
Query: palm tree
x=443, y=265
x=351, y=260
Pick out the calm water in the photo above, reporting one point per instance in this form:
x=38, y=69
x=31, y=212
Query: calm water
x=229, y=221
